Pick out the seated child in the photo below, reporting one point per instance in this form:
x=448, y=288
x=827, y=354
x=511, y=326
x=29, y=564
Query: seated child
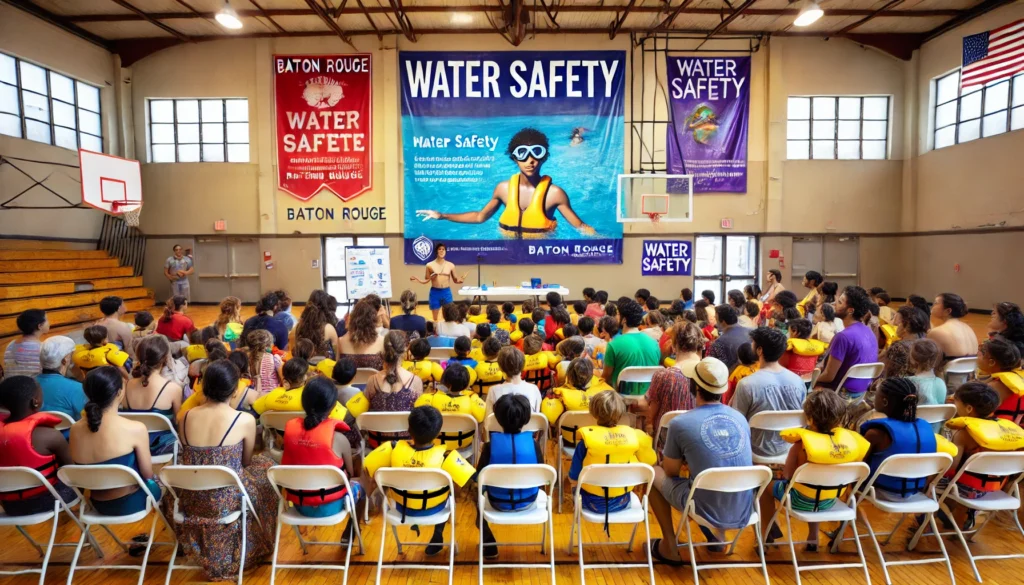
x=579, y=309
x=210, y=347
x=421, y=452
x=476, y=316
x=748, y=317
x=654, y=325
x=450, y=399
x=802, y=353
x=463, y=353
x=539, y=363
x=899, y=432
x=885, y=312
x=195, y=350
x=641, y=295
x=592, y=342
x=553, y=324
x=480, y=333
x=824, y=442
x=595, y=307
x=931, y=389
x=510, y=446
x=749, y=363
x=976, y=430
x=317, y=439
x=427, y=370
x=566, y=351
x=529, y=305
x=539, y=316
x=264, y=365
x=145, y=325
x=1000, y=359
x=488, y=372
x=574, y=395
x=288, y=398
x=500, y=329
x=595, y=446
x=824, y=324
x=525, y=327
x=97, y=351
x=607, y=329
x=508, y=313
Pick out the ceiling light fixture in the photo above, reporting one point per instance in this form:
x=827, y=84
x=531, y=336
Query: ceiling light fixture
x=809, y=14
x=228, y=18
x=462, y=18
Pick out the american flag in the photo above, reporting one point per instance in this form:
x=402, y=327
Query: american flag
x=993, y=55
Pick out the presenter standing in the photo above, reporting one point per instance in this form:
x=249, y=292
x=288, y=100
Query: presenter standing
x=440, y=274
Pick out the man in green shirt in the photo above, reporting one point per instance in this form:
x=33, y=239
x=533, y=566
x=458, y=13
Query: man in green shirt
x=630, y=348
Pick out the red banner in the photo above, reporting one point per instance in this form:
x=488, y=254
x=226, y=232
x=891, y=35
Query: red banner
x=323, y=111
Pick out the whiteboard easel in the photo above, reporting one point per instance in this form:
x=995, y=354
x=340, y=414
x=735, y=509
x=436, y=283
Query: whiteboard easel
x=368, y=271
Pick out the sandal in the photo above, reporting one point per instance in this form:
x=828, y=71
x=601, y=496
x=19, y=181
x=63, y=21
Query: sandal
x=656, y=554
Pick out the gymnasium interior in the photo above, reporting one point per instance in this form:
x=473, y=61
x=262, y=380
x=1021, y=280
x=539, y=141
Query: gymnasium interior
x=912, y=182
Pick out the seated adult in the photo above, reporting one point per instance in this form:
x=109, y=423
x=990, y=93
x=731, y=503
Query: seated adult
x=264, y=319
x=60, y=392
x=317, y=324
x=630, y=348
x=772, y=387
x=174, y=325
x=149, y=391
x=709, y=436
x=29, y=440
x=283, y=312
x=118, y=332
x=409, y=321
x=1008, y=321
x=812, y=281
x=104, y=437
x=956, y=339
x=229, y=319
x=911, y=323
x=670, y=387
x=854, y=345
x=21, y=358
x=731, y=336
x=394, y=389
x=772, y=286
x=214, y=433
x=363, y=341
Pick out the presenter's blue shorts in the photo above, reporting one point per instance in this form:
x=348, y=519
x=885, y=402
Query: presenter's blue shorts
x=439, y=297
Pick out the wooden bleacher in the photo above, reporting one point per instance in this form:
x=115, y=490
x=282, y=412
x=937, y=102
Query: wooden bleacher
x=67, y=283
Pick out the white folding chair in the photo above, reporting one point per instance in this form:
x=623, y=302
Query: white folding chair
x=936, y=413
x=569, y=422
x=906, y=466
x=65, y=420
x=440, y=354
x=775, y=421
x=538, y=425
x=157, y=423
x=814, y=377
x=380, y=426
x=275, y=421
x=206, y=478
x=726, y=480
x=415, y=480
x=107, y=477
x=16, y=479
x=636, y=513
x=963, y=366
x=539, y=476
x=663, y=424
x=843, y=475
x=861, y=372
x=363, y=376
x=312, y=477
x=457, y=426
x=995, y=465
x=638, y=374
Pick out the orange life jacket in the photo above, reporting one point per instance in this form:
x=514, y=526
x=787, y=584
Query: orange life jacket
x=313, y=447
x=16, y=451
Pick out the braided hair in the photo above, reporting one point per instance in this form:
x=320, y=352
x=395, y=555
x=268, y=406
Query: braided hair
x=902, y=398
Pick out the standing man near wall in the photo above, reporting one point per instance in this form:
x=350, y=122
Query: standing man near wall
x=177, y=270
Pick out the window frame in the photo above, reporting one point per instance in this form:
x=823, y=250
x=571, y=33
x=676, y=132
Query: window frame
x=20, y=90
x=836, y=139
x=357, y=240
x=225, y=143
x=958, y=99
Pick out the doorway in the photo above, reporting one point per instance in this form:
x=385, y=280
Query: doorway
x=835, y=257
x=724, y=263
x=227, y=267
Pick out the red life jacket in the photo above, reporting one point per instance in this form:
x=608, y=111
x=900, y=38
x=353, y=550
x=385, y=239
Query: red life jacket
x=16, y=451
x=313, y=447
x=1011, y=409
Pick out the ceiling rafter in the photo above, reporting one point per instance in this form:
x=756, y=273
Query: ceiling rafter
x=373, y=25
x=267, y=16
x=403, y=20
x=725, y=22
x=878, y=12
x=330, y=22
x=617, y=24
x=174, y=32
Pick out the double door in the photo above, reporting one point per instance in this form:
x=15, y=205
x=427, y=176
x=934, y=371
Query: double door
x=227, y=267
x=724, y=263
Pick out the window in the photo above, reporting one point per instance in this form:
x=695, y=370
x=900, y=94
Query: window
x=48, y=107
x=838, y=127
x=334, y=267
x=186, y=130
x=981, y=112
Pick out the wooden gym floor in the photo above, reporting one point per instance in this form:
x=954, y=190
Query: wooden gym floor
x=999, y=537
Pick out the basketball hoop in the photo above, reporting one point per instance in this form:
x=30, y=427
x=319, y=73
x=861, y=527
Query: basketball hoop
x=655, y=217
x=129, y=211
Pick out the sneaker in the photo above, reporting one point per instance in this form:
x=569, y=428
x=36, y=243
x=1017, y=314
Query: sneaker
x=436, y=543
x=710, y=536
x=490, y=551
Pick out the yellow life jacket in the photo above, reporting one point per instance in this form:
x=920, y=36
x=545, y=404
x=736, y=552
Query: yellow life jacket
x=806, y=346
x=552, y=408
x=515, y=336
x=476, y=319
x=356, y=405
x=533, y=222
x=426, y=370
x=326, y=367
x=488, y=374
x=506, y=326
x=402, y=454
x=944, y=445
x=841, y=446
x=742, y=371
x=669, y=362
x=233, y=331
x=470, y=404
x=619, y=444
x=889, y=332
x=477, y=353
x=106, y=355
x=199, y=398
x=802, y=305
x=282, y=400
x=1014, y=381
x=543, y=360
x=195, y=352
x=559, y=334
x=992, y=435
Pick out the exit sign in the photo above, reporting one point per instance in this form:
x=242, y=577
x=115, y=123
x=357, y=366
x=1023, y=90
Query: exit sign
x=726, y=223
x=220, y=225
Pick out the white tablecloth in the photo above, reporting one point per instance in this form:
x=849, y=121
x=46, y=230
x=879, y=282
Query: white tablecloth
x=509, y=291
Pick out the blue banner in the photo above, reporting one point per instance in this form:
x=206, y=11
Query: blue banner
x=667, y=258
x=512, y=157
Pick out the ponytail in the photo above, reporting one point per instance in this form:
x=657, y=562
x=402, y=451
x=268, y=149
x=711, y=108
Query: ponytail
x=102, y=386
x=394, y=349
x=174, y=303
x=318, y=399
x=151, y=355
x=93, y=415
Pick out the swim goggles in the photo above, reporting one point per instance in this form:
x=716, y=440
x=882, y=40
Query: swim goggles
x=525, y=151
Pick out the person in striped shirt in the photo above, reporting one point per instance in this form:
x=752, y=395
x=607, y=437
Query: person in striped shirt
x=21, y=358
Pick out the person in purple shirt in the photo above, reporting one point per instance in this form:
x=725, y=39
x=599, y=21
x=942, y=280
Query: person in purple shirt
x=855, y=344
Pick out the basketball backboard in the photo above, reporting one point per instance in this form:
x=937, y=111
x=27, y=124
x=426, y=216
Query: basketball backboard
x=655, y=197
x=110, y=183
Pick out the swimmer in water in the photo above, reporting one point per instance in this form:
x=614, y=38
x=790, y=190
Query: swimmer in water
x=576, y=138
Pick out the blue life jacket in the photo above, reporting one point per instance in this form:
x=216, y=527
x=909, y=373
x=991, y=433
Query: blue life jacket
x=907, y=437
x=512, y=449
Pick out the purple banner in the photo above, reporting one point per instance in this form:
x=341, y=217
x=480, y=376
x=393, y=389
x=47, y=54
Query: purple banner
x=710, y=110
x=468, y=252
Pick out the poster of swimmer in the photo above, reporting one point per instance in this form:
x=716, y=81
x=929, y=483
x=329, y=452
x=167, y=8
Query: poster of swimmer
x=710, y=109
x=512, y=157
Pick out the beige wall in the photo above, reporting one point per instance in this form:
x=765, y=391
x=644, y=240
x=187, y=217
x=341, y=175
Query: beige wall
x=31, y=39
